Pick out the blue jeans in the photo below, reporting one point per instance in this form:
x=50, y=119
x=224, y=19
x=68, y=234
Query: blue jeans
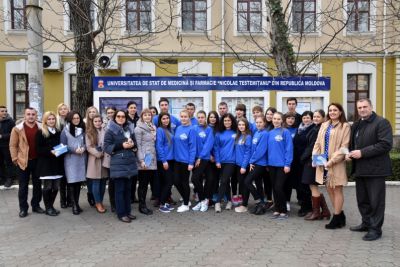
x=89, y=185
x=98, y=189
x=123, y=196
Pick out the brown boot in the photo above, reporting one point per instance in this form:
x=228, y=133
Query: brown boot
x=325, y=214
x=316, y=214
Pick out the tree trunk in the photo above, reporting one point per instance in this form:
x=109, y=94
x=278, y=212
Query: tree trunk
x=81, y=26
x=281, y=48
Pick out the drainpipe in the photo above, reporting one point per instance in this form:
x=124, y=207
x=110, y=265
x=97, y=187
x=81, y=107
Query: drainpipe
x=384, y=62
x=223, y=37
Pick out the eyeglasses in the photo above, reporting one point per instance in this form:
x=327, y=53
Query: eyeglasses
x=120, y=116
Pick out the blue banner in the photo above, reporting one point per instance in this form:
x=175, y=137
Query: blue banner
x=193, y=83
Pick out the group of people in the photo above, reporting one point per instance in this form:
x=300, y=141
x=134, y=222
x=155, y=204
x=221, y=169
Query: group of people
x=226, y=157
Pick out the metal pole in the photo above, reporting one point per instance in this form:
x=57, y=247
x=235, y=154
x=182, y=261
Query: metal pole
x=35, y=55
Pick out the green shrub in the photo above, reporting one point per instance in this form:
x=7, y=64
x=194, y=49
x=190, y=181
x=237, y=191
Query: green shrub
x=395, y=157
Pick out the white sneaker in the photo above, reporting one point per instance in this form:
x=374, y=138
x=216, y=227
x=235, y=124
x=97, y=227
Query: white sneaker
x=183, y=208
x=197, y=207
x=228, y=205
x=204, y=205
x=241, y=209
x=217, y=207
x=287, y=205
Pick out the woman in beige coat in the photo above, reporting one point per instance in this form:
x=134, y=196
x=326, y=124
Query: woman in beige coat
x=95, y=170
x=145, y=133
x=332, y=142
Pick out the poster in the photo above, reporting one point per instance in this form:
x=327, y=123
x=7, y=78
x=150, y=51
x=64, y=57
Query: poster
x=119, y=103
x=305, y=103
x=250, y=102
x=176, y=104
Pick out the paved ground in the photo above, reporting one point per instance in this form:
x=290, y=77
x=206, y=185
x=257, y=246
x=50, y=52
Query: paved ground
x=191, y=239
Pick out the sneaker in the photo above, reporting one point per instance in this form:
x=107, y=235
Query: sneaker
x=241, y=209
x=275, y=215
x=228, y=205
x=197, y=207
x=217, y=207
x=283, y=216
x=183, y=208
x=164, y=209
x=260, y=209
x=169, y=206
x=269, y=205
x=287, y=205
x=204, y=205
x=196, y=197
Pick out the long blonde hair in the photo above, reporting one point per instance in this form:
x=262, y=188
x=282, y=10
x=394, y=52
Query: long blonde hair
x=45, y=129
x=61, y=120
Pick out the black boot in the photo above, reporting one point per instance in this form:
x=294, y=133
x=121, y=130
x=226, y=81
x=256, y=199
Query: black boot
x=77, y=192
x=47, y=205
x=142, y=192
x=338, y=221
x=342, y=219
x=69, y=196
x=53, y=199
x=75, y=209
x=63, y=198
x=90, y=199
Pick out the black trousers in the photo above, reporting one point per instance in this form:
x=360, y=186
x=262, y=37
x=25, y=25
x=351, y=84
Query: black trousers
x=213, y=172
x=24, y=176
x=370, y=192
x=166, y=178
x=200, y=173
x=242, y=187
x=227, y=171
x=181, y=180
x=134, y=180
x=6, y=165
x=50, y=190
x=145, y=176
x=278, y=178
x=255, y=175
x=267, y=185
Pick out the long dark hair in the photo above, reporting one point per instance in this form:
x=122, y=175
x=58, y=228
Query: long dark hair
x=126, y=119
x=247, y=132
x=72, y=127
x=213, y=112
x=221, y=122
x=167, y=130
x=268, y=124
x=342, y=117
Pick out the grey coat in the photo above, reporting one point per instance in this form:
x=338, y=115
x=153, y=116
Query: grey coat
x=74, y=164
x=146, y=142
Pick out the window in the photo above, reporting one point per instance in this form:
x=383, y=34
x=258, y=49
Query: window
x=359, y=12
x=304, y=16
x=72, y=86
x=138, y=15
x=21, y=94
x=249, y=15
x=194, y=15
x=18, y=15
x=357, y=88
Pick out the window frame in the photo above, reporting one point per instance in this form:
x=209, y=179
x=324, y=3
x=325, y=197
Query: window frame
x=15, y=92
x=303, y=12
x=357, y=12
x=138, y=12
x=357, y=92
x=12, y=14
x=248, y=12
x=193, y=12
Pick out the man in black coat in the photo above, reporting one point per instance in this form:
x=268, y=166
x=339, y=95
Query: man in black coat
x=371, y=142
x=6, y=166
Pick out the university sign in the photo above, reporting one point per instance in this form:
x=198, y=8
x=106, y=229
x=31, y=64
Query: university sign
x=193, y=83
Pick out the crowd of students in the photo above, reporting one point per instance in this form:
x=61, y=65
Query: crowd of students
x=225, y=157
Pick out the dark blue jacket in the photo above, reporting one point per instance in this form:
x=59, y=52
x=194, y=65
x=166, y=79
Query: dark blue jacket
x=242, y=151
x=224, y=147
x=123, y=161
x=164, y=148
x=259, y=148
x=204, y=142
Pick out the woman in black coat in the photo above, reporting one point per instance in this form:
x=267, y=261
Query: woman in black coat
x=308, y=177
x=49, y=167
x=120, y=143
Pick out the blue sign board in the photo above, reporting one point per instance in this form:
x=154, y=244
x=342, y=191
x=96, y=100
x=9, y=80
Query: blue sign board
x=193, y=83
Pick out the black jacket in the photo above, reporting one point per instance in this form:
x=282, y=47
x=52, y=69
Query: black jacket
x=48, y=164
x=374, y=138
x=6, y=126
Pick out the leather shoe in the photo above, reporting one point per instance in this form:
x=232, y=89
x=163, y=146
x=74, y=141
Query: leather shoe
x=23, y=213
x=51, y=212
x=63, y=205
x=131, y=216
x=38, y=210
x=359, y=228
x=125, y=219
x=372, y=235
x=145, y=211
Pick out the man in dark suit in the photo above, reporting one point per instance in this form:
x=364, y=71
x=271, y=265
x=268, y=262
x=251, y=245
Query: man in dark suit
x=371, y=142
